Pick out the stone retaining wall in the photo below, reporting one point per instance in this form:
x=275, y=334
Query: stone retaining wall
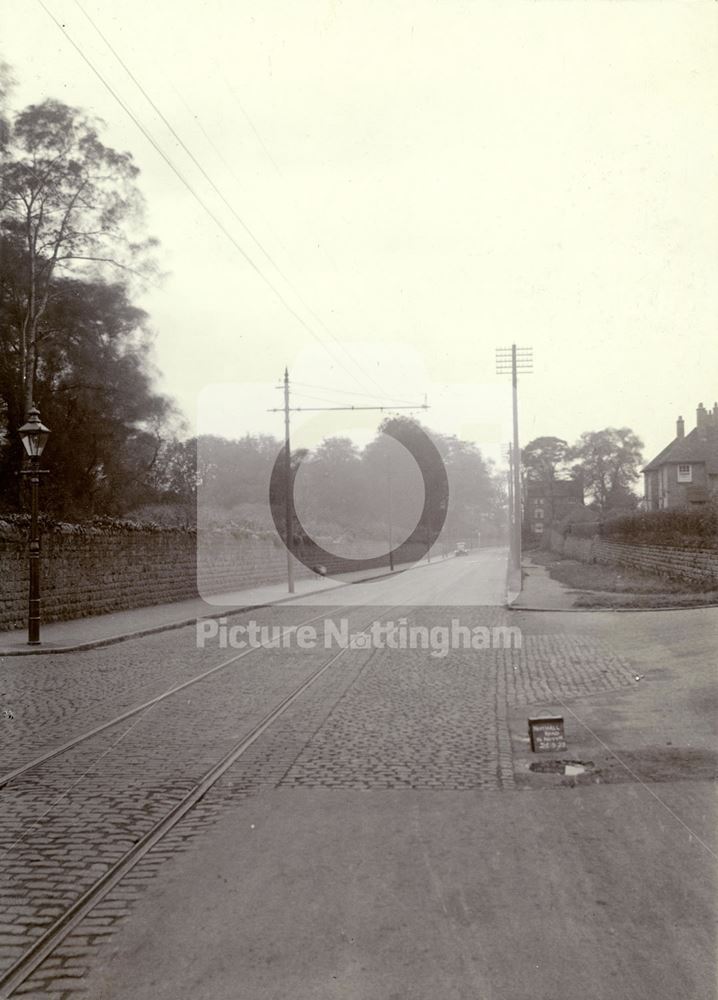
x=695, y=565
x=95, y=571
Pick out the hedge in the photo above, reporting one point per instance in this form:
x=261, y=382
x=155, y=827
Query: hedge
x=683, y=528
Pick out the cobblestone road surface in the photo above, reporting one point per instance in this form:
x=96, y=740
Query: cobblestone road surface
x=378, y=718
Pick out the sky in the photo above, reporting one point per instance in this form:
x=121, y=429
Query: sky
x=408, y=186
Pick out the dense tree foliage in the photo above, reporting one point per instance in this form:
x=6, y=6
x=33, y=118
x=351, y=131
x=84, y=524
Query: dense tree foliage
x=342, y=491
x=71, y=340
x=94, y=388
x=69, y=204
x=607, y=461
x=544, y=460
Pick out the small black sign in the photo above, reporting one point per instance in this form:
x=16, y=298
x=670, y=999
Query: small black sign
x=547, y=733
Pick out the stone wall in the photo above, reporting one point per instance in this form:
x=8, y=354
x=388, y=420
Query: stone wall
x=695, y=565
x=91, y=571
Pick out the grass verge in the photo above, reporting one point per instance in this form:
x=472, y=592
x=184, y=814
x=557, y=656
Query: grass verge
x=619, y=586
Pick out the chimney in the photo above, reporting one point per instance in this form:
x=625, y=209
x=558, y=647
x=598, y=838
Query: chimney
x=701, y=416
x=680, y=427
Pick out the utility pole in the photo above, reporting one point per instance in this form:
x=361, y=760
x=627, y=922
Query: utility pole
x=514, y=360
x=389, y=490
x=288, y=526
x=287, y=409
x=511, y=497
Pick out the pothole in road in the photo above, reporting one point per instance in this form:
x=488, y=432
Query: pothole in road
x=569, y=767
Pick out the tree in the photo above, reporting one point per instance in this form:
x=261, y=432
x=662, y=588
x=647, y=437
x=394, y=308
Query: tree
x=472, y=488
x=330, y=484
x=67, y=201
x=609, y=461
x=175, y=475
x=340, y=491
x=7, y=83
x=95, y=389
x=543, y=459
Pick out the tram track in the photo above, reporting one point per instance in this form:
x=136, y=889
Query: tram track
x=35, y=762
x=55, y=933
x=17, y=772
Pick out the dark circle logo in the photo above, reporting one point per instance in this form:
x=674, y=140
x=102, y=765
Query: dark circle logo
x=427, y=529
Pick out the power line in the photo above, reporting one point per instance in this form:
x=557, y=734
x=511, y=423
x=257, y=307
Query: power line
x=345, y=392
x=265, y=149
x=359, y=405
x=191, y=190
x=317, y=399
x=210, y=181
x=251, y=124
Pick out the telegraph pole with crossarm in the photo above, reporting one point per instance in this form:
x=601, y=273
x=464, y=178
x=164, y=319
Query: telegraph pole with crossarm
x=514, y=360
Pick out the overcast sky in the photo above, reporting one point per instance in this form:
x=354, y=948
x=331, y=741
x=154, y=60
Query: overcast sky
x=421, y=182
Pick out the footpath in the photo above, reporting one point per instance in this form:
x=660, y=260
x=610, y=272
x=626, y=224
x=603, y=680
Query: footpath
x=104, y=630
x=538, y=592
x=531, y=590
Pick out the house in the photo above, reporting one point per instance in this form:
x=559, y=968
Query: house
x=545, y=502
x=686, y=471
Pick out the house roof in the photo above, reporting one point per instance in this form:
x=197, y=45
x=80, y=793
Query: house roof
x=690, y=449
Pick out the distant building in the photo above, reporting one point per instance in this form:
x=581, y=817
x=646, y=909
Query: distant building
x=685, y=473
x=548, y=502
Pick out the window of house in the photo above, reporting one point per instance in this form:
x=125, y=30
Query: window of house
x=684, y=474
x=538, y=502
x=538, y=528
x=538, y=512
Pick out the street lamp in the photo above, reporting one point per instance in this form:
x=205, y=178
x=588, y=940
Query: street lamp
x=34, y=437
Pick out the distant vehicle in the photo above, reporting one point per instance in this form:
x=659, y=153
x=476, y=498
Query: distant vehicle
x=461, y=549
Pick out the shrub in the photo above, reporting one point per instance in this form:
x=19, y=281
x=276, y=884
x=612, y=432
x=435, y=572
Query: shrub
x=583, y=529
x=581, y=523
x=101, y=525
x=684, y=528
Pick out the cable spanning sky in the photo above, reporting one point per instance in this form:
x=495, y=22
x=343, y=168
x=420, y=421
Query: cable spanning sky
x=378, y=195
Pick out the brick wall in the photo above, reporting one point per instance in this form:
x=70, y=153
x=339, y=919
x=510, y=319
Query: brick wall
x=695, y=565
x=96, y=570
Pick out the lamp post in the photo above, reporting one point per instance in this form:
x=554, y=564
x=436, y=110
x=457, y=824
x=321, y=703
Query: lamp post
x=390, y=513
x=34, y=437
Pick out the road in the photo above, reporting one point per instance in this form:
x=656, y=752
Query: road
x=385, y=838
x=478, y=579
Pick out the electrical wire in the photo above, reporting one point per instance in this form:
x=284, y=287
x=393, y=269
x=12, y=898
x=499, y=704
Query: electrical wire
x=215, y=187
x=281, y=298
x=326, y=399
x=346, y=392
x=321, y=247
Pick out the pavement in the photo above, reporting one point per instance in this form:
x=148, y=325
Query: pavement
x=539, y=591
x=388, y=839
x=100, y=630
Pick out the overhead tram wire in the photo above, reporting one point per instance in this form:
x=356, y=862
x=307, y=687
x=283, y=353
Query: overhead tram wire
x=274, y=233
x=354, y=406
x=345, y=392
x=220, y=225
x=249, y=121
x=217, y=190
x=320, y=246
x=343, y=404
